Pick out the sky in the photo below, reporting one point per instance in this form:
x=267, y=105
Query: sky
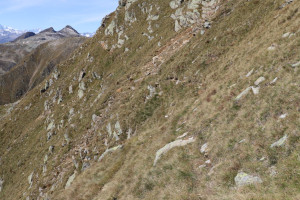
x=83, y=15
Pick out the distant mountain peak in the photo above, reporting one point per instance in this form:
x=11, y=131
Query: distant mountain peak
x=25, y=35
x=48, y=30
x=69, y=30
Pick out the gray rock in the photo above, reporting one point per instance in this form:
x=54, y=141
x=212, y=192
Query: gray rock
x=85, y=166
x=51, y=126
x=76, y=164
x=286, y=35
x=80, y=93
x=81, y=75
x=70, y=180
x=30, y=180
x=110, y=29
x=82, y=86
x=1, y=184
x=51, y=149
x=244, y=93
x=107, y=151
x=296, y=64
x=129, y=132
x=130, y=17
x=274, y=81
x=243, y=179
x=118, y=128
x=175, y=4
x=194, y=4
x=70, y=89
x=204, y=148
x=152, y=92
x=280, y=142
x=273, y=171
x=45, y=159
x=66, y=136
x=108, y=128
x=250, y=73
x=255, y=90
x=207, y=24
x=49, y=135
x=259, y=80
x=152, y=17
x=129, y=3
x=44, y=169
x=166, y=148
x=177, y=26
x=96, y=76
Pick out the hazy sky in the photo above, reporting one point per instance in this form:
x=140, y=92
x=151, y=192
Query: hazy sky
x=83, y=15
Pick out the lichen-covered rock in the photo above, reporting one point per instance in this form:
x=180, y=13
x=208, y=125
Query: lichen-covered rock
x=166, y=148
x=280, y=142
x=243, y=179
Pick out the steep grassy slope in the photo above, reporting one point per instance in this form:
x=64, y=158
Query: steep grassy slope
x=130, y=100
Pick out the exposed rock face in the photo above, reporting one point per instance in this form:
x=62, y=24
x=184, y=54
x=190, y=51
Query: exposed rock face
x=166, y=148
x=243, y=179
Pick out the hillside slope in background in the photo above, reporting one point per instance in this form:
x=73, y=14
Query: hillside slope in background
x=30, y=58
x=170, y=99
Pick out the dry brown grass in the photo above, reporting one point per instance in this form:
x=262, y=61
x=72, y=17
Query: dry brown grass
x=202, y=104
